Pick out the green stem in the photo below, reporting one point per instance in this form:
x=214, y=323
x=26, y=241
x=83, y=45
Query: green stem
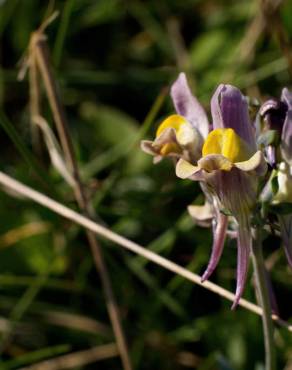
x=264, y=300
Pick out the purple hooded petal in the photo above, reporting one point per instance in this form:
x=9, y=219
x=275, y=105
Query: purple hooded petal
x=286, y=232
x=269, y=105
x=188, y=106
x=219, y=234
x=286, y=138
x=273, y=112
x=229, y=110
x=244, y=241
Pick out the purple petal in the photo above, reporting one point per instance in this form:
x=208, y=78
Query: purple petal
x=271, y=104
x=270, y=152
x=244, y=241
x=229, y=110
x=219, y=235
x=188, y=106
x=286, y=97
x=286, y=142
x=235, y=189
x=274, y=112
x=216, y=108
x=286, y=232
x=237, y=193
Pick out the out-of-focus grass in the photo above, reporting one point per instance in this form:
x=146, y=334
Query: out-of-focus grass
x=112, y=59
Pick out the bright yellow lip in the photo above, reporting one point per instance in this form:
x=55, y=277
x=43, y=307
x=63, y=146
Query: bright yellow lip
x=169, y=148
x=226, y=142
x=174, y=121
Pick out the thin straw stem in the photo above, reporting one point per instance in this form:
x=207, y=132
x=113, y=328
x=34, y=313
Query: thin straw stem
x=264, y=300
x=41, y=53
x=104, y=232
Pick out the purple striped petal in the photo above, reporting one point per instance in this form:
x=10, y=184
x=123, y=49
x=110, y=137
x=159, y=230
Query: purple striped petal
x=188, y=106
x=230, y=110
x=286, y=138
x=244, y=241
x=219, y=235
x=236, y=191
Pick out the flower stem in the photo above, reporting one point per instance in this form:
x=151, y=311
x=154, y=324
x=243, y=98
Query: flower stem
x=264, y=301
x=40, y=51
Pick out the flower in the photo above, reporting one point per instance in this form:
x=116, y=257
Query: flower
x=277, y=115
x=181, y=135
x=225, y=161
x=229, y=167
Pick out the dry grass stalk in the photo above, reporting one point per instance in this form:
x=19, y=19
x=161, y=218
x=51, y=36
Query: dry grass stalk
x=76, y=322
x=76, y=359
x=25, y=231
x=16, y=186
x=39, y=61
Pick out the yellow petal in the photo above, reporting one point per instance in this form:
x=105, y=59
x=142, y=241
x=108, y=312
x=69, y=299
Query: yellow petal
x=252, y=163
x=174, y=121
x=187, y=135
x=201, y=213
x=226, y=142
x=214, y=162
x=184, y=169
x=169, y=148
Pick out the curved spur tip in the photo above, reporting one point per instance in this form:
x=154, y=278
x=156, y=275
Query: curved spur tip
x=235, y=303
x=206, y=275
x=238, y=295
x=203, y=278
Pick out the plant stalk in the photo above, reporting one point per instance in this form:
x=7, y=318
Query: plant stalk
x=41, y=53
x=264, y=300
x=105, y=233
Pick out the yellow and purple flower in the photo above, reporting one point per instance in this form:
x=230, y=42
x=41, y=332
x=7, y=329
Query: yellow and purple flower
x=223, y=158
x=181, y=135
x=230, y=167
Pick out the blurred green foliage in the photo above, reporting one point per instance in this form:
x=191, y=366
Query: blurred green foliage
x=112, y=59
